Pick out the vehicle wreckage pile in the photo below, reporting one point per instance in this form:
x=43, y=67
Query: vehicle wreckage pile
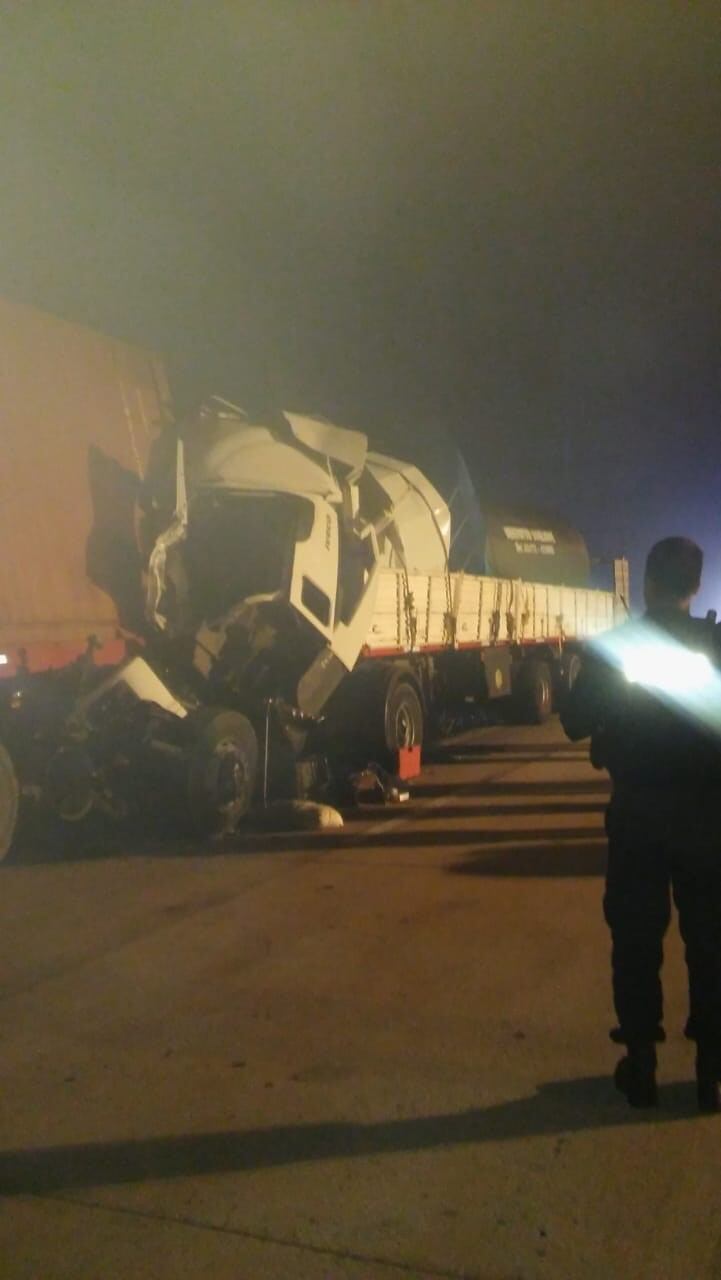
x=292, y=611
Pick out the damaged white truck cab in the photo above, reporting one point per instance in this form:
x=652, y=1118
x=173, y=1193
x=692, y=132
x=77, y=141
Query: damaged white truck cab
x=281, y=534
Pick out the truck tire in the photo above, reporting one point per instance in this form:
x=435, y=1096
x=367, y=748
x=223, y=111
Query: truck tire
x=534, y=692
x=402, y=719
x=222, y=769
x=378, y=711
x=571, y=671
x=567, y=676
x=9, y=800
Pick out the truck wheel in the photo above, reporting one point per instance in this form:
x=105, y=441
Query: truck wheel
x=9, y=798
x=565, y=676
x=570, y=673
x=222, y=767
x=534, y=692
x=402, y=719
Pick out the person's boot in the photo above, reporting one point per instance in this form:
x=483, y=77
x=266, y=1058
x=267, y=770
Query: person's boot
x=708, y=1076
x=635, y=1075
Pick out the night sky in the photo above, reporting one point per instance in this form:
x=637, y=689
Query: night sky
x=498, y=220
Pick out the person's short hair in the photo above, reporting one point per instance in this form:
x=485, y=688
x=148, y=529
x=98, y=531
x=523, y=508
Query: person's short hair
x=674, y=567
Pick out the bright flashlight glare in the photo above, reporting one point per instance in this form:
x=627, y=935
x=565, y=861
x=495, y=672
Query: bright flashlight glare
x=684, y=678
x=675, y=674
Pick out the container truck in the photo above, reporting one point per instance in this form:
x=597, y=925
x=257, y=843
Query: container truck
x=206, y=614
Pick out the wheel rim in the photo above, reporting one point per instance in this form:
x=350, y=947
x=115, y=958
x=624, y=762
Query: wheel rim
x=545, y=691
x=227, y=782
x=405, y=729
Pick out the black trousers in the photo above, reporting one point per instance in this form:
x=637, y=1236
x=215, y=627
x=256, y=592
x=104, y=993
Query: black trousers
x=663, y=842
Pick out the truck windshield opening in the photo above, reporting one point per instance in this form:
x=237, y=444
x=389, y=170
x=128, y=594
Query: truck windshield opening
x=239, y=545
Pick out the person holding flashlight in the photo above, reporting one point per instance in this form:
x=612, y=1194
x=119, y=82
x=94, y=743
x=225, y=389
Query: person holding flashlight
x=649, y=697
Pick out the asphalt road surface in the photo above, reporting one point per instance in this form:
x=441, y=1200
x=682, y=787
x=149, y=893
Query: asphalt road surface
x=380, y=1052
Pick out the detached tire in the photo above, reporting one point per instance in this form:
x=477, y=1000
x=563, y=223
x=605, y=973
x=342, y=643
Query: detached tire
x=534, y=692
x=9, y=801
x=222, y=770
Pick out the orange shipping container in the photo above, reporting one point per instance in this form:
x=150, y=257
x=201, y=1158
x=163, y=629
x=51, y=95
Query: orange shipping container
x=78, y=412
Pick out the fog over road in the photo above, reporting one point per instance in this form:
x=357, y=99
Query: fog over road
x=377, y=1053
